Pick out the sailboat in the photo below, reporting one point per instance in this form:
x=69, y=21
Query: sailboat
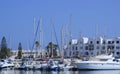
x=67, y=62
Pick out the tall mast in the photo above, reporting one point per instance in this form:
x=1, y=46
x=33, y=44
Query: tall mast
x=41, y=38
x=28, y=47
x=34, y=26
x=104, y=38
x=62, y=41
x=70, y=37
x=10, y=42
x=51, y=37
x=70, y=26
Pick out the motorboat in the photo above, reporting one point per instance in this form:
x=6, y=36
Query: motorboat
x=6, y=64
x=40, y=65
x=54, y=64
x=102, y=62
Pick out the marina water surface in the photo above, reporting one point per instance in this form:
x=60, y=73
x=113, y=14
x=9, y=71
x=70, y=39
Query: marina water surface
x=59, y=72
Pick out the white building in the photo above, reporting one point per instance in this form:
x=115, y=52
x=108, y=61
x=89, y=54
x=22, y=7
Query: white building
x=27, y=53
x=86, y=47
x=70, y=48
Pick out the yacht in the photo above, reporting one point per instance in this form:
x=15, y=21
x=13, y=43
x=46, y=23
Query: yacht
x=101, y=62
x=55, y=64
x=6, y=64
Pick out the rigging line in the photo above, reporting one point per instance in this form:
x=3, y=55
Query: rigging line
x=35, y=34
x=56, y=36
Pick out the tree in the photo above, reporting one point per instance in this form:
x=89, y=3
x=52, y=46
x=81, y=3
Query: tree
x=52, y=48
x=19, y=51
x=37, y=45
x=4, y=52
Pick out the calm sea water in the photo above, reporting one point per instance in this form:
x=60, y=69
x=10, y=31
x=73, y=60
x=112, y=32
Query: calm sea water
x=61, y=72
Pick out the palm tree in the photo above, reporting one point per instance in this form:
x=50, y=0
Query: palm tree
x=52, y=49
x=37, y=45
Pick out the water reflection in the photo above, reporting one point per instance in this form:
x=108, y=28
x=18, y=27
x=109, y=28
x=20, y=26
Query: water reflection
x=32, y=72
x=100, y=72
x=59, y=72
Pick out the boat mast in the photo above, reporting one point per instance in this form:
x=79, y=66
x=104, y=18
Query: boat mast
x=41, y=38
x=70, y=37
x=62, y=41
x=51, y=37
x=96, y=30
x=28, y=47
x=34, y=26
x=34, y=35
x=104, y=36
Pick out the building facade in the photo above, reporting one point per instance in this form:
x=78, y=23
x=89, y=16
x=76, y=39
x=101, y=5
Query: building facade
x=27, y=53
x=87, y=47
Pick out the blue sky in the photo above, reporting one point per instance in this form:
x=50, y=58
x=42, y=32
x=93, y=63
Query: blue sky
x=16, y=19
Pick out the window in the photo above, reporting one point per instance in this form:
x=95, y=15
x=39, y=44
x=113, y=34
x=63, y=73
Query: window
x=70, y=53
x=91, y=42
x=73, y=53
x=76, y=48
x=86, y=53
x=91, y=53
x=77, y=52
x=73, y=48
x=117, y=47
x=86, y=47
x=102, y=52
x=81, y=47
x=98, y=42
x=112, y=47
x=109, y=47
x=103, y=47
x=112, y=42
x=117, y=53
x=97, y=47
x=91, y=47
x=117, y=42
x=109, y=42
